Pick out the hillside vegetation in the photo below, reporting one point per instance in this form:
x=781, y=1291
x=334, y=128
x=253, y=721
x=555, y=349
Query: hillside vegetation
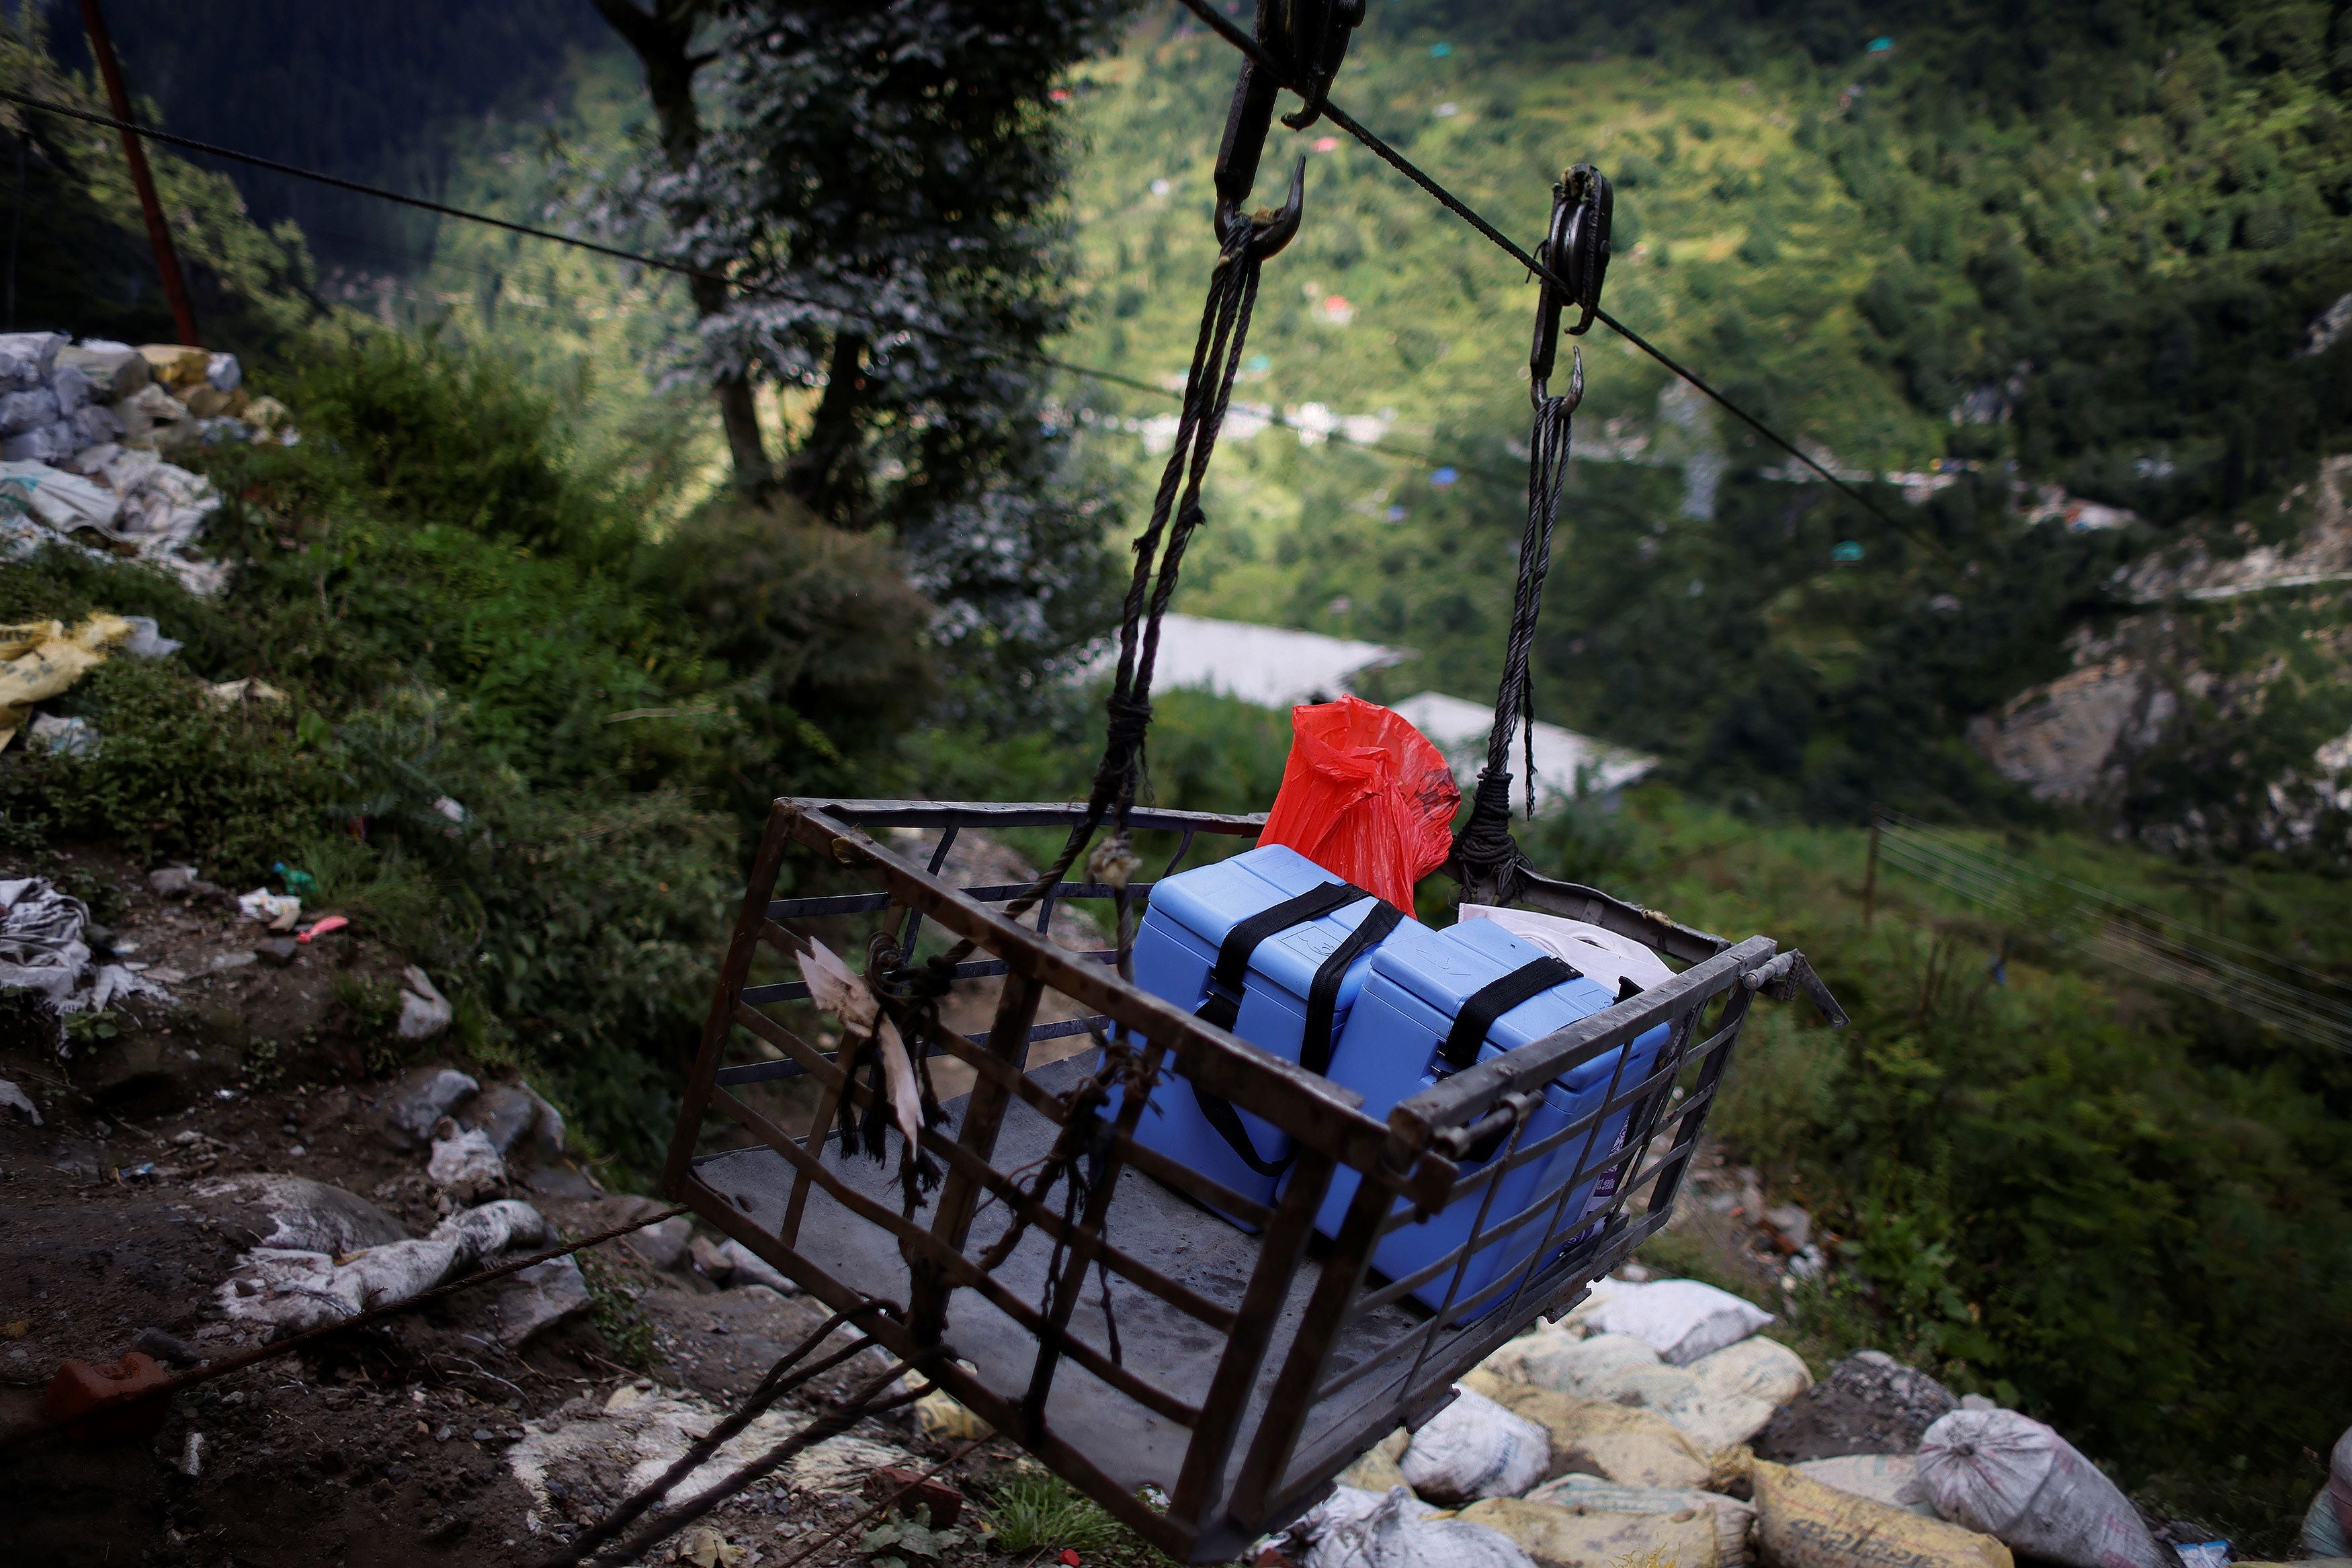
x=2080, y=247
x=540, y=682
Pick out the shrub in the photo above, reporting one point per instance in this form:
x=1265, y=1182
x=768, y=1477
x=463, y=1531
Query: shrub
x=173, y=773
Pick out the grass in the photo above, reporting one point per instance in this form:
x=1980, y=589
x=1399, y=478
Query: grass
x=628, y=1334
x=1032, y=1510
x=2115, y=1208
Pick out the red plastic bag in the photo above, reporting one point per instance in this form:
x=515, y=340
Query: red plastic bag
x=1365, y=797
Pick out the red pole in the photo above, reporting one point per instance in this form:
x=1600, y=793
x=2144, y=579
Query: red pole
x=159, y=233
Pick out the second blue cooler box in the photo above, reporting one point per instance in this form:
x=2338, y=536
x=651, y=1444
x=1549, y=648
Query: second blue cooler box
x=1438, y=1001
x=1274, y=947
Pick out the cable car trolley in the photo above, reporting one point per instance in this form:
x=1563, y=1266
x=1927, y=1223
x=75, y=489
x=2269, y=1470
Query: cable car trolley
x=1199, y=1349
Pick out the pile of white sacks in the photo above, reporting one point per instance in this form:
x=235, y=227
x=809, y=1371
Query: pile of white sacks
x=87, y=431
x=1619, y=1435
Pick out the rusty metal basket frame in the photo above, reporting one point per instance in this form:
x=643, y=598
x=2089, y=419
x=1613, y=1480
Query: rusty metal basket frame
x=1411, y=1166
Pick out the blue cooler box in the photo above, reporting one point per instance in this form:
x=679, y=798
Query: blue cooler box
x=1395, y=1046
x=1244, y=942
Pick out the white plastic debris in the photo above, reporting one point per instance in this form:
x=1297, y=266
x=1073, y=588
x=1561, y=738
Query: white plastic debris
x=465, y=1164
x=61, y=736
x=1682, y=1319
x=424, y=1011
x=289, y=1290
x=279, y=911
x=2012, y=1477
x=64, y=501
x=224, y=372
x=41, y=947
x=147, y=640
x=14, y=1098
x=230, y=693
x=1349, y=1505
x=1473, y=1448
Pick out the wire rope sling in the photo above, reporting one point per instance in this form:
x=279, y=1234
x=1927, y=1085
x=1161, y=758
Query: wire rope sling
x=1197, y=1341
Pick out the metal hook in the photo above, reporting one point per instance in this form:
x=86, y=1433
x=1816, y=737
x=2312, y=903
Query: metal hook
x=1307, y=39
x=1269, y=231
x=1575, y=251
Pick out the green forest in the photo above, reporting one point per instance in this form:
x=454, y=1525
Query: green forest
x=1970, y=255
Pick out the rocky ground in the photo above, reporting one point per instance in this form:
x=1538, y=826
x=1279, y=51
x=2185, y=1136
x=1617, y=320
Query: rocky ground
x=471, y=1431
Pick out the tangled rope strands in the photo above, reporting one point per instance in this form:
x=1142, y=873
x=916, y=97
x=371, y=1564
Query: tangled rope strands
x=1485, y=849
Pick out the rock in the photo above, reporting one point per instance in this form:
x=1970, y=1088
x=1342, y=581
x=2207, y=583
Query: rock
x=280, y=950
x=502, y=1112
x=419, y=1100
x=539, y=1297
x=465, y=1164
x=14, y=1098
x=664, y=1244
x=711, y=1261
x=1792, y=1226
x=424, y=1011
x=548, y=1131
x=172, y=881
x=750, y=1269
x=508, y=1112
x=308, y=1216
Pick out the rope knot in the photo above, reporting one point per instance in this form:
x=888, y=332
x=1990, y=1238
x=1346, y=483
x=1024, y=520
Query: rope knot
x=1114, y=861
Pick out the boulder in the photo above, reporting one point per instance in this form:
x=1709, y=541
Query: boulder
x=418, y=1101
x=305, y=1216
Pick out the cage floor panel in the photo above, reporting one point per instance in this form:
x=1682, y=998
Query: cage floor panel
x=1159, y=1228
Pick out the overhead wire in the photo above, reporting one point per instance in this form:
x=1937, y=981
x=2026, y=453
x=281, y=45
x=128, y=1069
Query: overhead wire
x=1274, y=417
x=1226, y=28
x=2119, y=933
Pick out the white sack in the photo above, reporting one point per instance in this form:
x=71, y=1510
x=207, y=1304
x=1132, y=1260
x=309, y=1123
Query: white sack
x=1392, y=1536
x=1473, y=1448
x=1682, y=1319
x=2012, y=1477
x=1756, y=1369
x=1734, y=1520
x=464, y=1162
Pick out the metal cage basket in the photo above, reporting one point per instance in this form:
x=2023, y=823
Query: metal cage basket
x=1209, y=1380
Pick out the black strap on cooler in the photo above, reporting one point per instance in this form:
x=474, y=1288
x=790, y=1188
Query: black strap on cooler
x=1493, y=999
x=1231, y=976
x=1323, y=996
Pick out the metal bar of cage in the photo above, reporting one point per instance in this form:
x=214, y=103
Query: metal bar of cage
x=1266, y=1358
